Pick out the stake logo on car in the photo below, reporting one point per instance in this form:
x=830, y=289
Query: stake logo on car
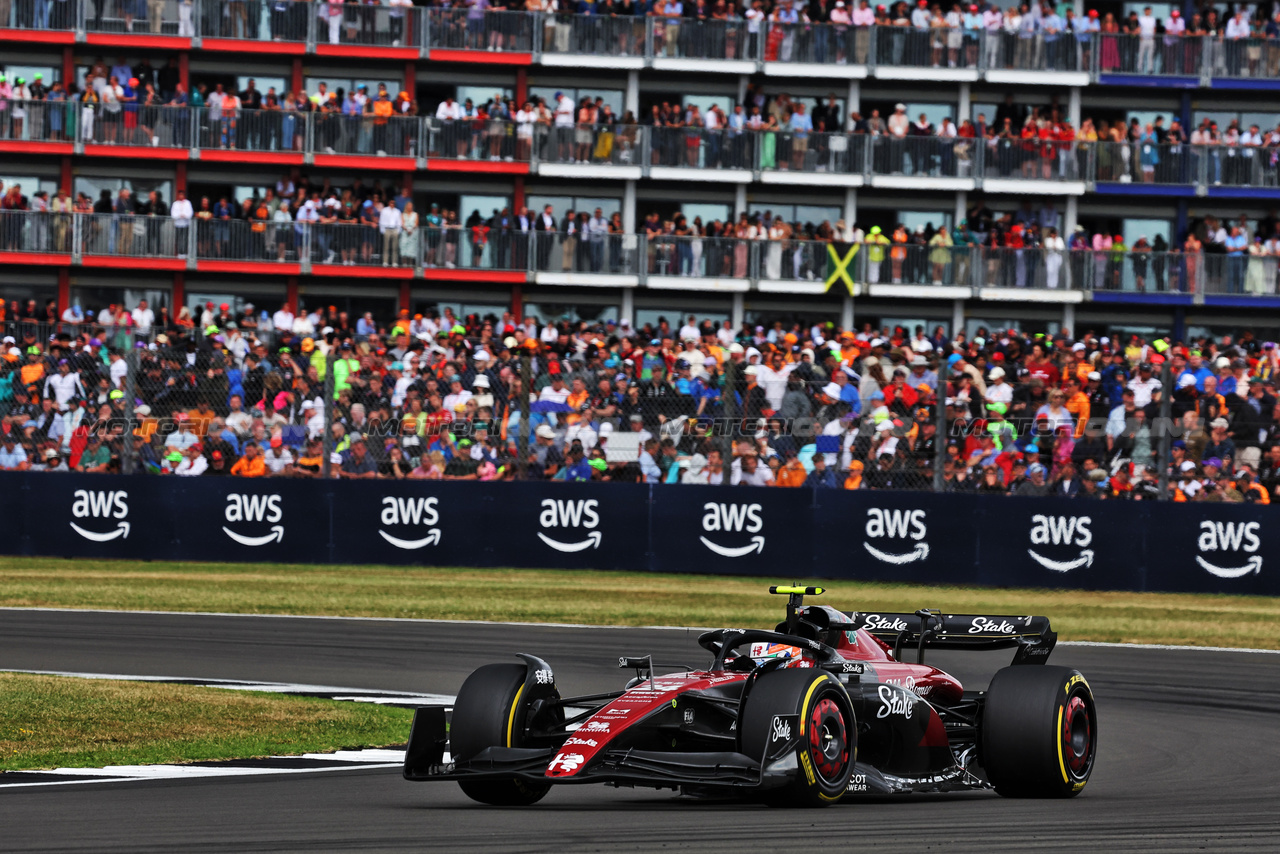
x=737, y=519
x=570, y=513
x=254, y=508
x=411, y=511
x=897, y=524
x=1062, y=531
x=1230, y=537
x=99, y=504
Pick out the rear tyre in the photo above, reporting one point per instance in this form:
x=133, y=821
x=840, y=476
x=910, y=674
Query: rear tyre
x=827, y=737
x=490, y=712
x=1039, y=732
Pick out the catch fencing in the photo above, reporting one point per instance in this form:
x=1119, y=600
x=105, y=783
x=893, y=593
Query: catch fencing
x=929, y=539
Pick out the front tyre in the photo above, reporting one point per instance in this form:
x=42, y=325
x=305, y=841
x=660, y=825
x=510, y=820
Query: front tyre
x=826, y=742
x=1039, y=732
x=490, y=712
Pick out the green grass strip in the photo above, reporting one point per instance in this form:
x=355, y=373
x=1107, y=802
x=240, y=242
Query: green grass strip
x=606, y=598
x=64, y=722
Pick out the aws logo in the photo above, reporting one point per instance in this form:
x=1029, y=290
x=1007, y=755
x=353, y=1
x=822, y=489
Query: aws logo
x=411, y=511
x=254, y=508
x=897, y=525
x=1230, y=537
x=570, y=513
x=99, y=504
x=733, y=518
x=1062, y=531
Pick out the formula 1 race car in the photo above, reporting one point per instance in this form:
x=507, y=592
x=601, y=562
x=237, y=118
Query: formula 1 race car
x=822, y=708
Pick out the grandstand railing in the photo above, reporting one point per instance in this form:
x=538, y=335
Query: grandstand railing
x=643, y=146
x=933, y=259
x=576, y=39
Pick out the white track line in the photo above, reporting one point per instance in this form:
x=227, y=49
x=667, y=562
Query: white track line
x=1188, y=647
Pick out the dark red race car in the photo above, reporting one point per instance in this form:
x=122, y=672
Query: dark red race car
x=821, y=709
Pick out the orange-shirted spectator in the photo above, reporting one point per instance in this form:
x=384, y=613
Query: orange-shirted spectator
x=576, y=401
x=792, y=472
x=251, y=464
x=33, y=371
x=1077, y=404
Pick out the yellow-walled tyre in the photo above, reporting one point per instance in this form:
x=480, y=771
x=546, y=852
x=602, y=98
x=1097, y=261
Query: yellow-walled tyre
x=827, y=734
x=490, y=712
x=1039, y=732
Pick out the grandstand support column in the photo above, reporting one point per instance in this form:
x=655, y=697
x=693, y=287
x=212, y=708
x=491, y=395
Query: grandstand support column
x=744, y=80
x=179, y=178
x=1069, y=316
x=291, y=293
x=629, y=207
x=64, y=290
x=411, y=79
x=739, y=315
x=962, y=105
x=957, y=317
x=69, y=66
x=517, y=299
x=846, y=312
x=522, y=86
x=517, y=194
x=850, y=207
x=632, y=102
x=1073, y=107
x=178, y=296
x=1071, y=217
x=295, y=76
x=628, y=310
x=65, y=177
x=739, y=200
x=853, y=100
x=962, y=205
x=405, y=301
x=184, y=70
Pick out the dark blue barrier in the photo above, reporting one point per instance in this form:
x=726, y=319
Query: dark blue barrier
x=776, y=533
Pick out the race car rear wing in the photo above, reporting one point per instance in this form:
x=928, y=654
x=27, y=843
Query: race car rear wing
x=1030, y=636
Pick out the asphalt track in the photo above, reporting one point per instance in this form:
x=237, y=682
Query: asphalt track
x=1189, y=754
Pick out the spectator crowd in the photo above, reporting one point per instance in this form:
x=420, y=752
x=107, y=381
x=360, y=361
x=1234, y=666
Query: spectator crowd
x=433, y=396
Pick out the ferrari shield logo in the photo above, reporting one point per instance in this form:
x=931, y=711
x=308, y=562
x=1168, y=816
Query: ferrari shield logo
x=841, y=255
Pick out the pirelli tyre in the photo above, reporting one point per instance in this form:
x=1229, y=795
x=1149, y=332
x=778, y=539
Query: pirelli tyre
x=1039, y=732
x=489, y=712
x=826, y=738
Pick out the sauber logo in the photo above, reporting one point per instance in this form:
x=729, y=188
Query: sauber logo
x=1062, y=531
x=411, y=511
x=572, y=513
x=254, y=508
x=1230, y=537
x=733, y=518
x=897, y=525
x=97, y=504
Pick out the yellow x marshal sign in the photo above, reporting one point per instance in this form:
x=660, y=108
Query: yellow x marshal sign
x=841, y=255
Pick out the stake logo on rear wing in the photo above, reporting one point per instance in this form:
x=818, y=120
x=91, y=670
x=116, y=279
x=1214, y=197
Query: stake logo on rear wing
x=1031, y=636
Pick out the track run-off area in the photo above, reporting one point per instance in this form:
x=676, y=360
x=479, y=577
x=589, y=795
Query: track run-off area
x=1188, y=751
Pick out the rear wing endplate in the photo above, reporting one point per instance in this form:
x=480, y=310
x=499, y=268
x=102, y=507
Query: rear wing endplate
x=1030, y=636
